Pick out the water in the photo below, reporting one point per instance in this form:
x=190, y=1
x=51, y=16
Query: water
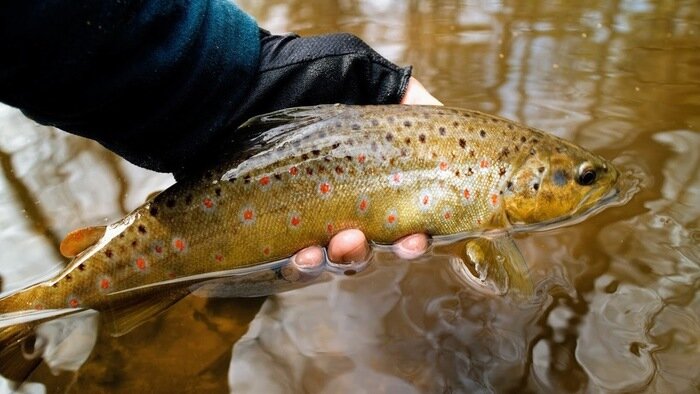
x=622, y=311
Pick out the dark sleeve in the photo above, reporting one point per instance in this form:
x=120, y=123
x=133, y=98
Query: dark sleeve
x=152, y=80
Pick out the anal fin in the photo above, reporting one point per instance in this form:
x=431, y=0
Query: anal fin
x=78, y=240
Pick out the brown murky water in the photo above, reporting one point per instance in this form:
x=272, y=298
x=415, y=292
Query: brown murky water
x=622, y=313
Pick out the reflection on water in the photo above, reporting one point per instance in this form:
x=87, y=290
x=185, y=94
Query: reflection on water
x=622, y=312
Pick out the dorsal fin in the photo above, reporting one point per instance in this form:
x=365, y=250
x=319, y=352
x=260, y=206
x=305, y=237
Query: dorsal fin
x=78, y=240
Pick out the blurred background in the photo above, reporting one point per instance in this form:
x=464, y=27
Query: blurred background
x=621, y=311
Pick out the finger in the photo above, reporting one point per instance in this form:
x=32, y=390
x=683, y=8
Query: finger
x=411, y=246
x=348, y=246
x=307, y=264
x=417, y=94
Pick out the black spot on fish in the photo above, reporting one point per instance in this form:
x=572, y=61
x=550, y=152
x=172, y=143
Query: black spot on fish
x=540, y=170
x=442, y=131
x=339, y=170
x=509, y=185
x=407, y=140
x=246, y=179
x=355, y=126
x=375, y=122
x=153, y=210
x=81, y=267
x=457, y=173
x=68, y=277
x=142, y=229
x=462, y=143
x=305, y=156
x=316, y=152
x=560, y=177
x=455, y=124
x=392, y=161
x=535, y=140
x=470, y=172
x=278, y=177
x=505, y=152
x=134, y=243
x=348, y=158
x=327, y=158
x=108, y=253
x=389, y=137
x=55, y=285
x=501, y=171
x=336, y=145
x=494, y=120
x=523, y=139
x=188, y=199
x=482, y=133
x=309, y=171
x=232, y=179
x=407, y=123
x=170, y=203
x=121, y=235
x=472, y=153
x=217, y=191
x=510, y=126
x=421, y=138
x=321, y=169
x=533, y=152
x=536, y=186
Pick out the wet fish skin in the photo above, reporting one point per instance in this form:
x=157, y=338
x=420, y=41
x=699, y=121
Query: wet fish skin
x=387, y=170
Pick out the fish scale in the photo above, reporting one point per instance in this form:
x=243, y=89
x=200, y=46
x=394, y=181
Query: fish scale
x=389, y=171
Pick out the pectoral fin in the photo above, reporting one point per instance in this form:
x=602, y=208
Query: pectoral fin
x=496, y=264
x=78, y=240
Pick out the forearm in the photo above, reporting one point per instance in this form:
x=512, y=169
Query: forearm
x=151, y=80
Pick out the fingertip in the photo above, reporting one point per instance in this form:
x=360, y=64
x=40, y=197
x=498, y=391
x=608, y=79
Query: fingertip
x=308, y=258
x=411, y=246
x=348, y=246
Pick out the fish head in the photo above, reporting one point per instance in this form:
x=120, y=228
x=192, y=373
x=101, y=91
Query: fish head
x=557, y=180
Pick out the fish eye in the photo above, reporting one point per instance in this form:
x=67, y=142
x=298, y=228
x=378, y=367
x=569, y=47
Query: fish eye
x=586, y=175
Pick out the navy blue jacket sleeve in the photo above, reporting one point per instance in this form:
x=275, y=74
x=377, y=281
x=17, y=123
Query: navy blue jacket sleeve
x=152, y=80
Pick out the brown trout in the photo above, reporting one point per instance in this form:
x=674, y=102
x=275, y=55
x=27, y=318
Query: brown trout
x=387, y=170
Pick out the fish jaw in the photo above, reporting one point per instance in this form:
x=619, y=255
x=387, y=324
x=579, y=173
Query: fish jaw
x=557, y=180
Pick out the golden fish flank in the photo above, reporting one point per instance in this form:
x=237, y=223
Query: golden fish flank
x=387, y=170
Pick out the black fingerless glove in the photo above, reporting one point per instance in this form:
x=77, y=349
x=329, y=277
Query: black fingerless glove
x=336, y=68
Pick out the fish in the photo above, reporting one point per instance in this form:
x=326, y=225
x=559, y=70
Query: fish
x=301, y=175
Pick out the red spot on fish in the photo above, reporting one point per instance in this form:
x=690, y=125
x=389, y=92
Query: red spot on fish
x=363, y=205
x=105, y=284
x=141, y=263
x=484, y=163
x=494, y=199
x=158, y=249
x=266, y=251
x=467, y=194
x=247, y=215
x=264, y=181
x=179, y=244
x=361, y=158
x=208, y=203
x=444, y=166
x=324, y=188
x=329, y=228
x=73, y=302
x=172, y=275
x=425, y=200
x=295, y=221
x=391, y=218
x=478, y=221
x=293, y=171
x=219, y=258
x=447, y=215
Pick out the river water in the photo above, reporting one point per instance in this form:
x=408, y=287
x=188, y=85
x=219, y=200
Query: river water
x=621, y=312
